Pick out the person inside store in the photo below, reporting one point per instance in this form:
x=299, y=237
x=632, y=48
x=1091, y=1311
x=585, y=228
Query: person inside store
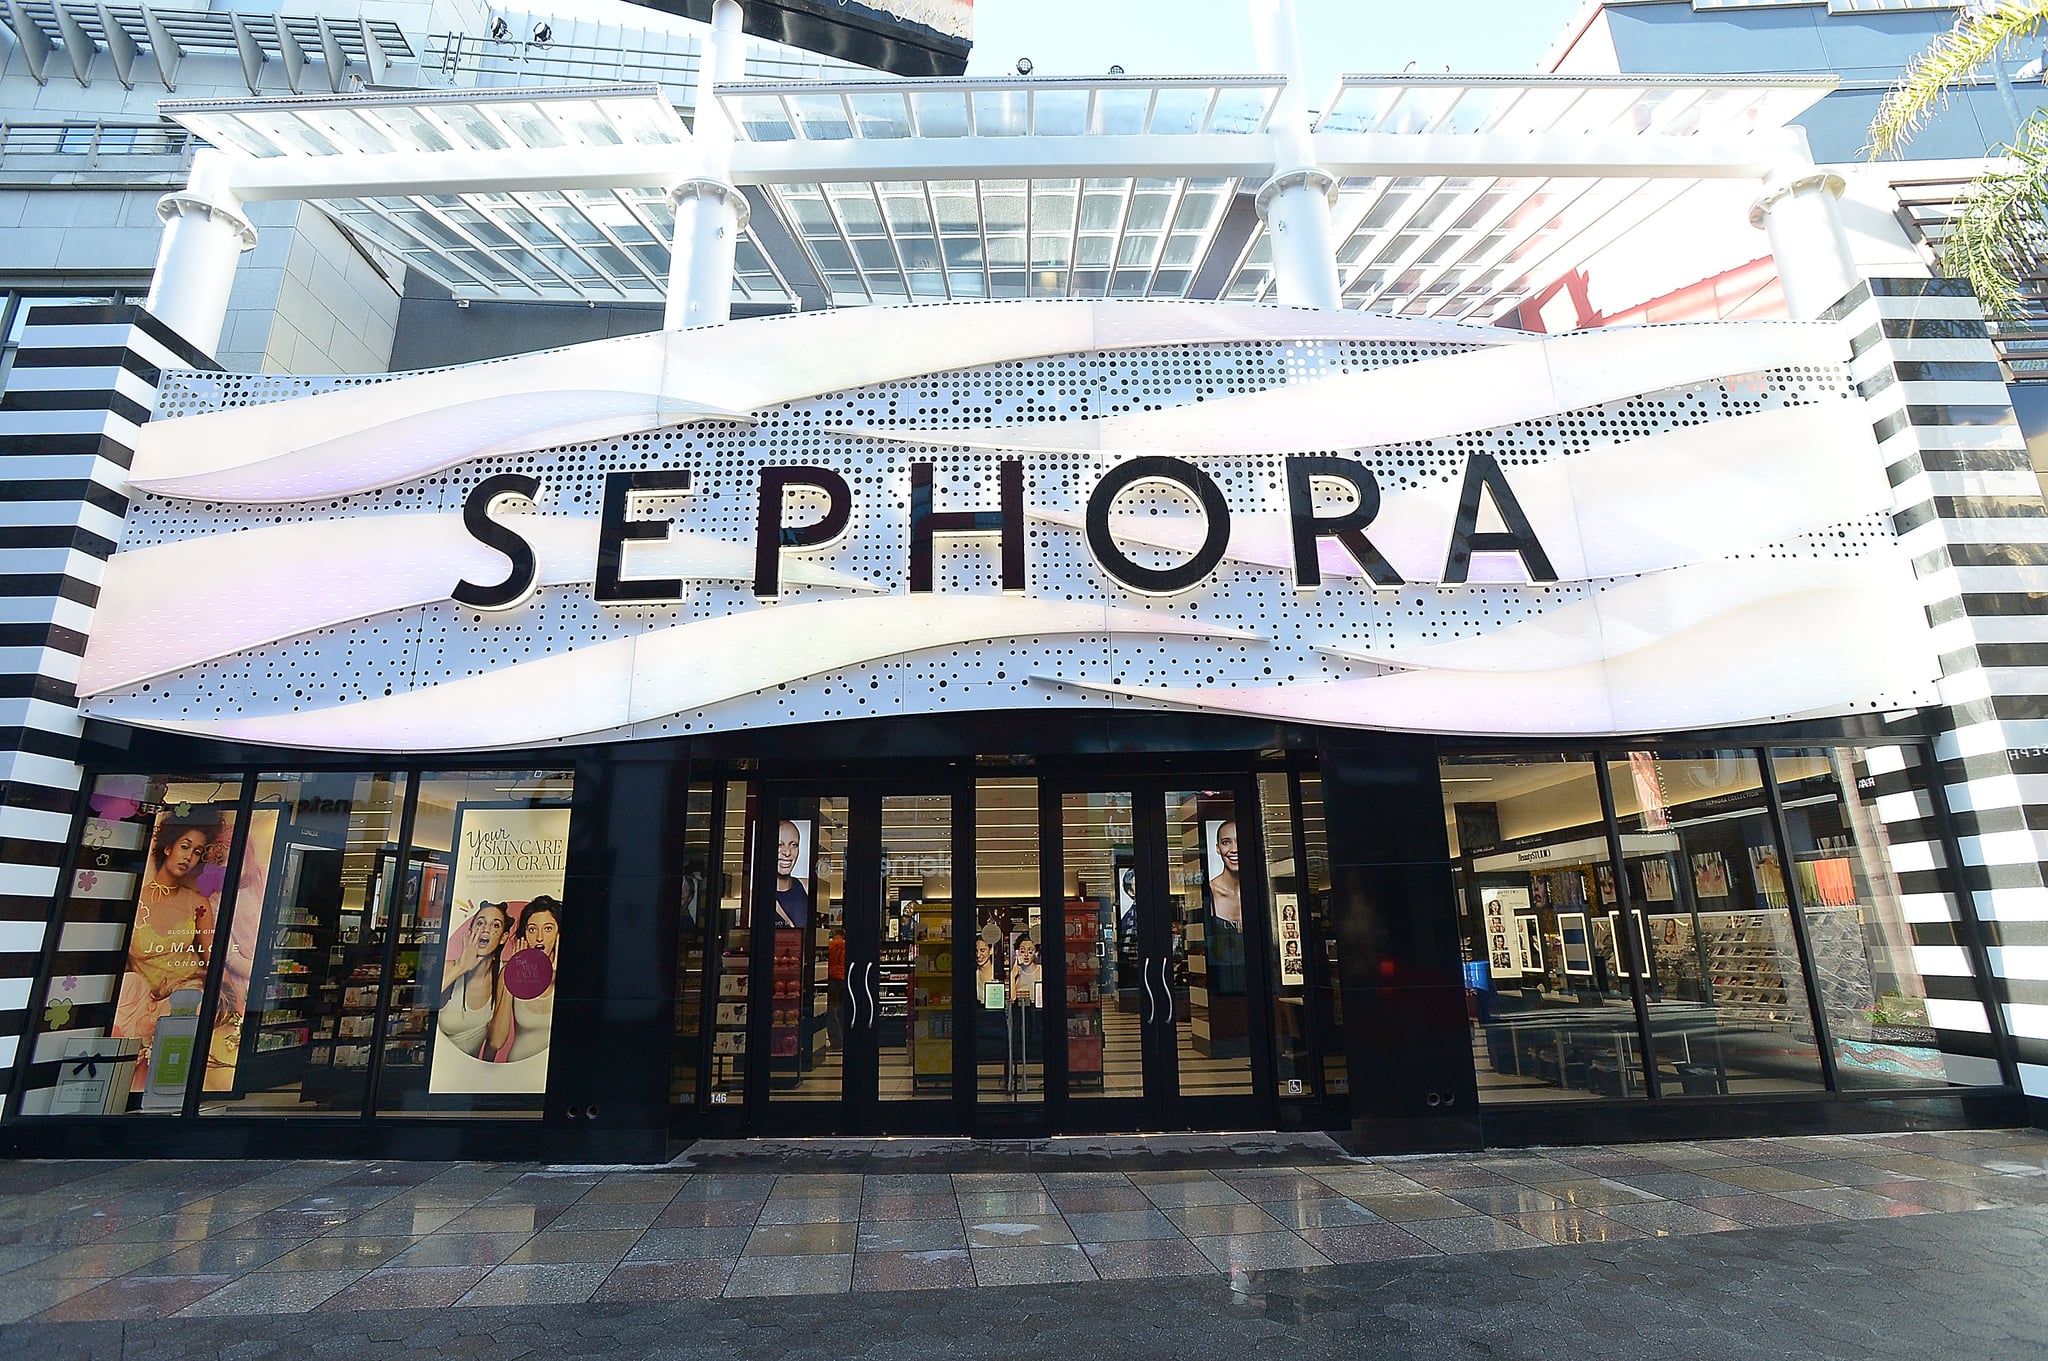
x=470, y=979
x=835, y=970
x=1223, y=902
x=173, y=936
x=522, y=1025
x=792, y=899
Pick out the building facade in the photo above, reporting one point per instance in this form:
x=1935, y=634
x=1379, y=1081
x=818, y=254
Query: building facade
x=1208, y=660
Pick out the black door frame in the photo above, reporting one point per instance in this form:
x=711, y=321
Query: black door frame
x=1162, y=1106
x=859, y=1109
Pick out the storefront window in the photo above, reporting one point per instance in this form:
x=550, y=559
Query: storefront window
x=139, y=941
x=1009, y=951
x=1707, y=894
x=1553, y=1016
x=1902, y=1005
x=480, y=936
x=695, y=915
x=729, y=1005
x=320, y=883
x=1325, y=984
x=1289, y=969
x=915, y=972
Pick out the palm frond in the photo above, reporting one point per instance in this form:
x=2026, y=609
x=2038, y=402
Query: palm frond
x=1923, y=88
x=2000, y=237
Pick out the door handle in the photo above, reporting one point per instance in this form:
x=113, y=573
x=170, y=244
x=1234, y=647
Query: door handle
x=852, y=997
x=874, y=1001
x=1166, y=987
x=1145, y=977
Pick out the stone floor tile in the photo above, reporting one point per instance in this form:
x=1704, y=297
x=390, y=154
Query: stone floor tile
x=1285, y=1184
x=816, y=1274
x=1122, y=1226
x=1099, y=1199
x=1667, y=1219
x=686, y=1245
x=1594, y=1193
x=908, y=1184
x=95, y=1259
x=412, y=1221
x=1169, y=1176
x=1319, y=1214
x=1457, y=1177
x=1502, y=1200
x=970, y=1183
x=607, y=1214
x=1760, y=1210
x=1678, y=1185
x=25, y=1299
x=1017, y=1231
x=1034, y=1265
x=274, y=1292
x=909, y=1205
x=1934, y=1195
x=218, y=1256
x=132, y=1297
x=521, y=1219
x=1206, y=1221
x=400, y=1287
x=812, y=1210
x=1368, y=1242
x=802, y=1240
x=816, y=1186
x=1137, y=1259
x=929, y=1269
x=911, y=1235
x=1414, y=1205
x=685, y=1213
x=591, y=1247
x=1273, y=1251
x=460, y=1249
x=1573, y=1226
x=339, y=1254
x=1476, y=1234
x=1079, y=1181
x=726, y=1186
x=287, y=1224
x=1768, y=1177
x=641, y=1282
x=1182, y=1193
x=537, y=1283
x=1846, y=1202
x=1005, y=1204
x=657, y=1188
x=1358, y=1185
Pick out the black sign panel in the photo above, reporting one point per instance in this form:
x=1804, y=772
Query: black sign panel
x=887, y=35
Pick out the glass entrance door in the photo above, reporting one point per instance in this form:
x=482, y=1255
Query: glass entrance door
x=851, y=968
x=1166, y=932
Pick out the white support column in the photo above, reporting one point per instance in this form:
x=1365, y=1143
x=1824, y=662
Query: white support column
x=1295, y=203
x=205, y=233
x=1800, y=213
x=710, y=211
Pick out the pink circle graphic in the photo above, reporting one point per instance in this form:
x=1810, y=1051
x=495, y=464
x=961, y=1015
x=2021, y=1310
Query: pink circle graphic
x=528, y=974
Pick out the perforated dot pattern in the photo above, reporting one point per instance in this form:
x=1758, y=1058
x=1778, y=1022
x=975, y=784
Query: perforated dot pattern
x=422, y=646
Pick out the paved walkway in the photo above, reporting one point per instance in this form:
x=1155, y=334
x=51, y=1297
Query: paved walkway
x=91, y=1242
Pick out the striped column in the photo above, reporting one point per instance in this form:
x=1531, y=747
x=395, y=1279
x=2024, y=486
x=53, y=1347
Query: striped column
x=83, y=379
x=1968, y=508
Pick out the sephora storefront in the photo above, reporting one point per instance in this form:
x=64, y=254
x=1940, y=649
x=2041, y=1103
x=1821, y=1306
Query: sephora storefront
x=1008, y=719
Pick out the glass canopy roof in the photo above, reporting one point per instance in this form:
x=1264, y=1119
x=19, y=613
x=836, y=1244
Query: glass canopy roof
x=1134, y=215
x=567, y=244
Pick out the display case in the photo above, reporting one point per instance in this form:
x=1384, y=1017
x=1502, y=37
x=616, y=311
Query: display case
x=1084, y=995
x=892, y=988
x=930, y=999
x=790, y=993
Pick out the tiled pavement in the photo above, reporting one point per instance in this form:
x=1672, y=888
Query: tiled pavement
x=89, y=1241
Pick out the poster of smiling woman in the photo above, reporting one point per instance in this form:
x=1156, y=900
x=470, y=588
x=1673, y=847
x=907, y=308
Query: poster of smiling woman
x=505, y=924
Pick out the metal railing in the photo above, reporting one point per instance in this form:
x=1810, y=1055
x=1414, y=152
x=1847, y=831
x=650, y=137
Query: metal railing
x=97, y=146
x=467, y=59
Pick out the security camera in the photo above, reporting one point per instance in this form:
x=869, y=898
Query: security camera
x=1025, y=66
x=543, y=34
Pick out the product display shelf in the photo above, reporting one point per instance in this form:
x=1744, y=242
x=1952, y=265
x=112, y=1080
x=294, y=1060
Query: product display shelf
x=729, y=1017
x=930, y=1001
x=789, y=995
x=1752, y=973
x=892, y=989
x=1084, y=995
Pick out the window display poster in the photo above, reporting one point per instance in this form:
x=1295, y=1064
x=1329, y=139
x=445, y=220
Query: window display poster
x=170, y=945
x=1656, y=880
x=501, y=951
x=1505, y=947
x=1709, y=875
x=1768, y=876
x=1531, y=938
x=1578, y=949
x=1605, y=875
x=791, y=849
x=1287, y=930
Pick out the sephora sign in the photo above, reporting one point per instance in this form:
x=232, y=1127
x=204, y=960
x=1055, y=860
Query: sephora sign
x=1316, y=518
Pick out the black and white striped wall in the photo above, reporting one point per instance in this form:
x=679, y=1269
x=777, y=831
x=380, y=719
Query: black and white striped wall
x=83, y=379
x=1968, y=507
